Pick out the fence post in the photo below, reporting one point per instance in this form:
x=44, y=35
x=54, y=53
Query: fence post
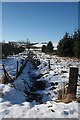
x=5, y=78
x=73, y=76
x=17, y=69
x=49, y=65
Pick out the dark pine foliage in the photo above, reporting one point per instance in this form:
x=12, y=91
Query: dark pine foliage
x=69, y=46
x=76, y=39
x=43, y=48
x=48, y=49
x=65, y=46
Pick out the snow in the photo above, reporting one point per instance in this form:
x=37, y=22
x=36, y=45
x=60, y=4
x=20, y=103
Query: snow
x=13, y=103
x=41, y=44
x=11, y=63
x=41, y=111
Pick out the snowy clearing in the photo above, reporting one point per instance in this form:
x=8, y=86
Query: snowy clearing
x=13, y=99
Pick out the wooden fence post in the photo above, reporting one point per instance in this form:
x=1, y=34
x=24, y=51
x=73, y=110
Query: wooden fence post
x=73, y=77
x=17, y=69
x=5, y=76
x=49, y=65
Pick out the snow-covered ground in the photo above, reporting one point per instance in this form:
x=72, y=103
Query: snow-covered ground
x=38, y=45
x=10, y=63
x=13, y=100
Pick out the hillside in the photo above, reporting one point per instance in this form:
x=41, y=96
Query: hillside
x=23, y=99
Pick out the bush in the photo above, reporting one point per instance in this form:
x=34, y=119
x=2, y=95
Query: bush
x=10, y=49
x=48, y=49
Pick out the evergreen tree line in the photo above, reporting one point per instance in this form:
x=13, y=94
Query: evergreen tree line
x=48, y=49
x=10, y=49
x=69, y=46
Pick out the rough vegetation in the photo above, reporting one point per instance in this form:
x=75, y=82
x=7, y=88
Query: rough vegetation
x=48, y=49
x=10, y=49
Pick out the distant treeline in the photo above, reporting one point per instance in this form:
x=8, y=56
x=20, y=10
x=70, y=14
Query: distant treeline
x=10, y=49
x=69, y=46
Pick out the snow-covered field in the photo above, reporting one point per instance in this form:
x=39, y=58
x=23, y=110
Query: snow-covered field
x=13, y=100
x=10, y=63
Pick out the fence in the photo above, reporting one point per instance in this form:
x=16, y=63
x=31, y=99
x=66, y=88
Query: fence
x=6, y=78
x=68, y=92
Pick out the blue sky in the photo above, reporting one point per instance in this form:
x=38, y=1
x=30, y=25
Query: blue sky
x=38, y=21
